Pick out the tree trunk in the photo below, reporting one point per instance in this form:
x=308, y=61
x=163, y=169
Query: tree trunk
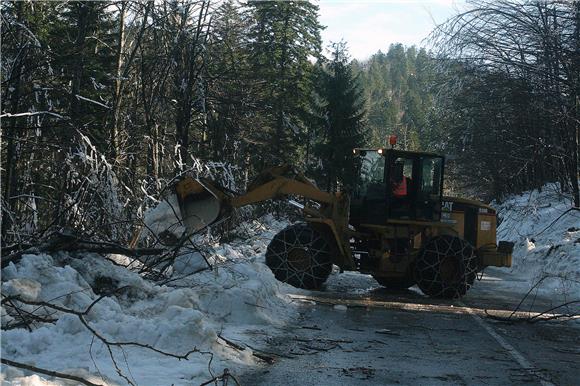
x=575, y=141
x=575, y=162
x=10, y=180
x=114, y=133
x=83, y=24
x=78, y=69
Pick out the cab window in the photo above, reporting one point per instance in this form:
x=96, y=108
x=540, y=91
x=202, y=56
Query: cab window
x=401, y=174
x=431, y=176
x=371, y=179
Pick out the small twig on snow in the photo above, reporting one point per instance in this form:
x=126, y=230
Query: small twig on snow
x=224, y=377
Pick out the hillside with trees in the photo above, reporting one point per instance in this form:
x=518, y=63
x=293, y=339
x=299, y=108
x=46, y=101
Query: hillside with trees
x=155, y=87
x=397, y=86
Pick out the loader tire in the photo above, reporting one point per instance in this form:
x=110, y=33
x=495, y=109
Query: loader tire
x=446, y=267
x=300, y=256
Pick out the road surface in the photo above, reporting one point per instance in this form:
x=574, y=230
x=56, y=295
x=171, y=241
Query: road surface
x=357, y=333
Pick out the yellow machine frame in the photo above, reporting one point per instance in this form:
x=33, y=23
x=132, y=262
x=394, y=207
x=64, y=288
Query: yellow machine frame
x=329, y=214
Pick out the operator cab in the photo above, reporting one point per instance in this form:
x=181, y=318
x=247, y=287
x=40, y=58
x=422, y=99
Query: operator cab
x=396, y=185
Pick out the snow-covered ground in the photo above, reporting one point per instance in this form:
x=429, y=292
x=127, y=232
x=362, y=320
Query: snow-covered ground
x=546, y=232
x=238, y=295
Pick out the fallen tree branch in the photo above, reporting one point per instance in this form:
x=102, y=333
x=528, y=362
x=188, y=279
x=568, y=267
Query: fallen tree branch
x=557, y=218
x=108, y=343
x=26, y=318
x=232, y=344
x=50, y=373
x=67, y=243
x=9, y=249
x=224, y=378
x=538, y=316
x=259, y=355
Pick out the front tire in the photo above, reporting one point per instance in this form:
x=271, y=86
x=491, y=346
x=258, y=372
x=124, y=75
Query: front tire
x=446, y=267
x=300, y=256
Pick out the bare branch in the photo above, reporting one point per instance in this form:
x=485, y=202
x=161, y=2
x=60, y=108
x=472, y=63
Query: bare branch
x=50, y=373
x=81, y=315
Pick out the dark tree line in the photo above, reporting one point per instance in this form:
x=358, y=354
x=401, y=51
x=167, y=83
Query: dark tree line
x=104, y=102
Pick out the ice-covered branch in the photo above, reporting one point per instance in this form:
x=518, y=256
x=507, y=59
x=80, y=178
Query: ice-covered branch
x=80, y=97
x=62, y=242
x=33, y=113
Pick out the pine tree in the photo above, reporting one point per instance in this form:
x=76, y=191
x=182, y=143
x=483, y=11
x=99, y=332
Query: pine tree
x=229, y=94
x=285, y=36
x=86, y=60
x=343, y=119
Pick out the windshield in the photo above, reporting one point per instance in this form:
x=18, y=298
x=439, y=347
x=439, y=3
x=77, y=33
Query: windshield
x=431, y=176
x=371, y=180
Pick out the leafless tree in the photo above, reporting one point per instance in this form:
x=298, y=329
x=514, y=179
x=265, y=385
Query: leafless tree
x=532, y=40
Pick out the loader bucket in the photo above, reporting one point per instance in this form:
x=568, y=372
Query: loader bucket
x=200, y=207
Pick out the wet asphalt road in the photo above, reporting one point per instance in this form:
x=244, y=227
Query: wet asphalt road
x=357, y=333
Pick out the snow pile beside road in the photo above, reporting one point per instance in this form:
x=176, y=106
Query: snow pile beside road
x=546, y=233
x=239, y=295
x=164, y=217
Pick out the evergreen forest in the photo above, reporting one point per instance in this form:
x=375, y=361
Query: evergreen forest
x=105, y=103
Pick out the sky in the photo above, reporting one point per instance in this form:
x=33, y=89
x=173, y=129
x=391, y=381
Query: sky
x=371, y=25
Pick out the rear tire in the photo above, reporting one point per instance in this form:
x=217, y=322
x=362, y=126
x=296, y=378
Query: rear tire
x=397, y=284
x=300, y=256
x=446, y=267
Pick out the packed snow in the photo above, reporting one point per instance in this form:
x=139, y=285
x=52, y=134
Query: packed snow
x=546, y=232
x=165, y=218
x=192, y=310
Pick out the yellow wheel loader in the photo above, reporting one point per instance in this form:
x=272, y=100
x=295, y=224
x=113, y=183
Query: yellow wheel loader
x=395, y=225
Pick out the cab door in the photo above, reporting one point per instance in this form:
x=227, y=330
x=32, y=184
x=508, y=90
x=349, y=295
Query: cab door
x=430, y=189
x=368, y=204
x=402, y=178
x=414, y=185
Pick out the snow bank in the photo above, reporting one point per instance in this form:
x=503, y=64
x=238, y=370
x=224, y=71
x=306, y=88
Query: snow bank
x=547, y=239
x=239, y=295
x=164, y=219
